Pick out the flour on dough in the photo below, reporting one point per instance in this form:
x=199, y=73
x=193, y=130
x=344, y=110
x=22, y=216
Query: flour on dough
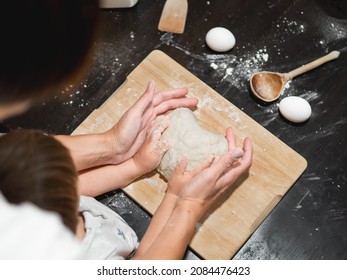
x=187, y=137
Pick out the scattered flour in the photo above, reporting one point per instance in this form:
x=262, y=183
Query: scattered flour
x=238, y=70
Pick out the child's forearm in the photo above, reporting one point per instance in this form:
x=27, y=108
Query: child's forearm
x=172, y=241
x=158, y=222
x=103, y=179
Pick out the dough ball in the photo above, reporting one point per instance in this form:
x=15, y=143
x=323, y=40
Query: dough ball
x=220, y=39
x=188, y=138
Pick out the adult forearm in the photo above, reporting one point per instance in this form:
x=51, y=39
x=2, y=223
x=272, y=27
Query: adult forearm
x=158, y=222
x=89, y=150
x=175, y=236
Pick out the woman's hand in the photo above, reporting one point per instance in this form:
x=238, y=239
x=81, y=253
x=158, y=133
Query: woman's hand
x=122, y=141
x=208, y=185
x=129, y=133
x=174, y=222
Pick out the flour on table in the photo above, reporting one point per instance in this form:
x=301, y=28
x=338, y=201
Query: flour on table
x=188, y=138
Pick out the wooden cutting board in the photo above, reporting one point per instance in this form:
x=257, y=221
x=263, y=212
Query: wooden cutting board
x=275, y=166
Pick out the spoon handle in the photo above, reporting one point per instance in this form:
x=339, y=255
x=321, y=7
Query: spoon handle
x=307, y=67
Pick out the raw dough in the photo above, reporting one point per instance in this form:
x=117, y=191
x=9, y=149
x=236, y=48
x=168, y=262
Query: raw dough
x=188, y=138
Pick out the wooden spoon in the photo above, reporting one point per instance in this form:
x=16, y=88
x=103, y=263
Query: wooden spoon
x=173, y=16
x=268, y=86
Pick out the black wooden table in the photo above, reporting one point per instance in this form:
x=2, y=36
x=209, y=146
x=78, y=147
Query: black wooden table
x=277, y=35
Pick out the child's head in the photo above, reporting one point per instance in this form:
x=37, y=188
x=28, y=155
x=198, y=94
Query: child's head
x=39, y=169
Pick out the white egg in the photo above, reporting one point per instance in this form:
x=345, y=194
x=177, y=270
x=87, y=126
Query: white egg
x=220, y=39
x=295, y=109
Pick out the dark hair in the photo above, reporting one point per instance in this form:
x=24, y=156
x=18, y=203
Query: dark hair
x=43, y=43
x=39, y=169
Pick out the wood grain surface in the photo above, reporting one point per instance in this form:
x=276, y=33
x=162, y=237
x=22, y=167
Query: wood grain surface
x=275, y=165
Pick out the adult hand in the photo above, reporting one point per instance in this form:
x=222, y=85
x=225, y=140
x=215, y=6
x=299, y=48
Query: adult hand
x=130, y=132
x=207, y=186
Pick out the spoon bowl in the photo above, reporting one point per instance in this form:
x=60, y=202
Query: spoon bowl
x=268, y=86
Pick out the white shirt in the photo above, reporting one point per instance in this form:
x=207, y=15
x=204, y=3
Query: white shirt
x=108, y=236
x=27, y=232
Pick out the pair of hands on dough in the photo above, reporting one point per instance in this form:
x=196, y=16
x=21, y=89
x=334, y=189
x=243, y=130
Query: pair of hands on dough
x=189, y=196
x=130, y=132
x=204, y=184
x=123, y=140
x=207, y=182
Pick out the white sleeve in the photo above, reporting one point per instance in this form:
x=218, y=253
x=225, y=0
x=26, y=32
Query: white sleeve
x=27, y=232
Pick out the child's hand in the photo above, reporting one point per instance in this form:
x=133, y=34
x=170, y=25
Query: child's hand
x=180, y=177
x=152, y=150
